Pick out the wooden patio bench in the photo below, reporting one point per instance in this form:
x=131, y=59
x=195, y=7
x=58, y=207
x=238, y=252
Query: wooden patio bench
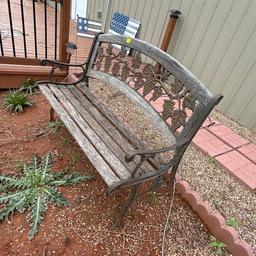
x=120, y=156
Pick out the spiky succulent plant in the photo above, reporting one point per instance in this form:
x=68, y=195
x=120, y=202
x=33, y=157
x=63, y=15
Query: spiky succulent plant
x=34, y=190
x=16, y=102
x=28, y=86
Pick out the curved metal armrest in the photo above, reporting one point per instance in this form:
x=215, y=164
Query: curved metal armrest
x=43, y=62
x=136, y=180
x=152, y=153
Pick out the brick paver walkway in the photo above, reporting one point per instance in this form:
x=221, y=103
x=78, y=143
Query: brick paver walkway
x=234, y=154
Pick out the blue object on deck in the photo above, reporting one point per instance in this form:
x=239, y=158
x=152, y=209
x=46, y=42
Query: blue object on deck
x=82, y=24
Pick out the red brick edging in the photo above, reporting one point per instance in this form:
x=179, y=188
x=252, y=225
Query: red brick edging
x=213, y=220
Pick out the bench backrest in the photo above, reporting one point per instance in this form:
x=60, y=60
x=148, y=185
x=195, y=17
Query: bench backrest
x=175, y=100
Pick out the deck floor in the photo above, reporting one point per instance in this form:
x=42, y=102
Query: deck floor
x=83, y=44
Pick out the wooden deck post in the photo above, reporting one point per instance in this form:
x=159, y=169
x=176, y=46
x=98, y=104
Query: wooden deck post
x=170, y=28
x=64, y=29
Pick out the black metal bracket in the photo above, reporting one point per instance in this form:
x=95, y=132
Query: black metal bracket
x=175, y=14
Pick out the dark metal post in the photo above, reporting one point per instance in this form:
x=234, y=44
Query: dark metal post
x=45, y=28
x=34, y=19
x=56, y=28
x=1, y=44
x=23, y=28
x=174, y=15
x=11, y=27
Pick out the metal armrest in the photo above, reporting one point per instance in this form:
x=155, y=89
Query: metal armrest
x=152, y=153
x=148, y=176
x=44, y=62
x=57, y=64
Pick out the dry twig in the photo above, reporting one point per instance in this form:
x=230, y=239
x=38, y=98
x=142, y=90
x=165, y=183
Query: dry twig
x=167, y=220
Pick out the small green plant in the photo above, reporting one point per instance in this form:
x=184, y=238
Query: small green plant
x=75, y=158
x=232, y=222
x=34, y=190
x=213, y=161
x=153, y=198
x=219, y=246
x=55, y=126
x=28, y=86
x=66, y=141
x=16, y=102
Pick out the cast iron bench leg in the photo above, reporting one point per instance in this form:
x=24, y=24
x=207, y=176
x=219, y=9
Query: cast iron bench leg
x=52, y=115
x=119, y=219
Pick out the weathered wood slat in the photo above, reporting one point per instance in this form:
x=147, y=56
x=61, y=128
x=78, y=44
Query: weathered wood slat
x=112, y=131
x=96, y=124
x=148, y=110
x=120, y=126
x=104, y=170
x=105, y=152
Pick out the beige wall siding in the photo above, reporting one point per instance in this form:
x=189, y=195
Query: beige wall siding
x=215, y=39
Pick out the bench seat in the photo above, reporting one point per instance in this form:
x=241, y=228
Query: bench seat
x=100, y=134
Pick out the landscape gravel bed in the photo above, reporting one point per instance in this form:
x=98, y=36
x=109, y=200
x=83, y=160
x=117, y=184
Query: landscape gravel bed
x=204, y=175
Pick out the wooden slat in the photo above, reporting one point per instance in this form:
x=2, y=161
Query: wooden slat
x=121, y=127
x=104, y=170
x=95, y=140
x=110, y=130
x=96, y=124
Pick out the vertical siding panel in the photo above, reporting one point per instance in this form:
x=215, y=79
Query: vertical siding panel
x=127, y=8
x=162, y=22
x=175, y=4
x=233, y=86
x=222, y=45
x=89, y=9
x=145, y=18
x=245, y=93
x=205, y=17
x=236, y=48
x=121, y=6
x=191, y=21
x=152, y=21
x=247, y=99
x=134, y=6
x=212, y=34
x=181, y=25
x=139, y=12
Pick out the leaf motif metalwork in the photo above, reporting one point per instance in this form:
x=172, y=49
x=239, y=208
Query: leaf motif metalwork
x=100, y=53
x=138, y=81
x=107, y=63
x=168, y=107
x=125, y=72
x=148, y=71
x=109, y=49
x=148, y=86
x=98, y=65
x=115, y=69
x=157, y=93
x=189, y=101
x=136, y=61
x=178, y=117
x=123, y=52
x=177, y=86
x=152, y=78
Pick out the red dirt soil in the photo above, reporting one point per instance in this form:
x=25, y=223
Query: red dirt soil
x=81, y=227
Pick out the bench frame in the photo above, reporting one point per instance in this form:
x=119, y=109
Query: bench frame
x=196, y=97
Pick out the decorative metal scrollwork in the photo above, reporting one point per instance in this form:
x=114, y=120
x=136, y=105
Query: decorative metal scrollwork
x=152, y=81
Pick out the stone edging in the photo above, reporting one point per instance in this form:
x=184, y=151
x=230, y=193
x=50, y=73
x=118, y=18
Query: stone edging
x=213, y=220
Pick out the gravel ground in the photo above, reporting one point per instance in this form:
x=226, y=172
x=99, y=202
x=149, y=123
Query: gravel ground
x=203, y=173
